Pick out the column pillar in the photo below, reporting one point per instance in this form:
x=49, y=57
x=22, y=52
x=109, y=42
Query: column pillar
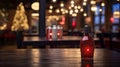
x=108, y=14
x=42, y=25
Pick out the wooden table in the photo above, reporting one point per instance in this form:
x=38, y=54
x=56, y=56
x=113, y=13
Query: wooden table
x=57, y=58
x=41, y=42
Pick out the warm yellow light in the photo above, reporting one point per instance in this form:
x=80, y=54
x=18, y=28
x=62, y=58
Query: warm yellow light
x=35, y=14
x=63, y=12
x=57, y=11
x=116, y=14
x=3, y=27
x=71, y=11
x=102, y=4
x=85, y=0
x=76, y=10
x=62, y=9
x=85, y=14
x=34, y=53
x=93, y=2
x=78, y=7
x=88, y=19
x=51, y=7
x=54, y=1
x=84, y=3
x=74, y=14
x=75, y=7
x=35, y=6
x=66, y=11
x=81, y=10
x=72, y=5
x=50, y=11
x=118, y=0
x=57, y=18
x=93, y=8
x=72, y=2
x=62, y=4
x=18, y=22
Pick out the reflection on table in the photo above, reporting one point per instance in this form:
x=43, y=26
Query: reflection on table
x=57, y=58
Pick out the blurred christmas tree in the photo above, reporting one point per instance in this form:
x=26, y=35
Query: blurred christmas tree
x=20, y=21
x=3, y=19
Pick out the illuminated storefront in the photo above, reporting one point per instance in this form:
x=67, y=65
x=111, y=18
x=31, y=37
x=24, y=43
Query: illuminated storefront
x=116, y=18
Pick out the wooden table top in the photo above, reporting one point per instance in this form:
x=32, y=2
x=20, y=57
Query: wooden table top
x=64, y=38
x=67, y=57
x=36, y=38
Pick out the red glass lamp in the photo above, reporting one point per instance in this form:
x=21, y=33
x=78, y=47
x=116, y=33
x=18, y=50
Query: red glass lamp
x=87, y=45
x=49, y=32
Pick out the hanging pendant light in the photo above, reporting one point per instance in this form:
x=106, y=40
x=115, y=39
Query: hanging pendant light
x=35, y=6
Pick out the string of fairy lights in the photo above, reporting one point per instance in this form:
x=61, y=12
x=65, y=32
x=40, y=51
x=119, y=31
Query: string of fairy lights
x=74, y=7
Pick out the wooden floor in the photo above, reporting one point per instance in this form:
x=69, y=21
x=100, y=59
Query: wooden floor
x=57, y=58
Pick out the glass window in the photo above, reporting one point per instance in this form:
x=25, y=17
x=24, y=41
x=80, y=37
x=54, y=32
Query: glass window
x=96, y=28
x=103, y=10
x=115, y=28
x=97, y=20
x=116, y=7
x=116, y=11
x=116, y=21
x=102, y=19
x=97, y=11
x=116, y=16
x=34, y=23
